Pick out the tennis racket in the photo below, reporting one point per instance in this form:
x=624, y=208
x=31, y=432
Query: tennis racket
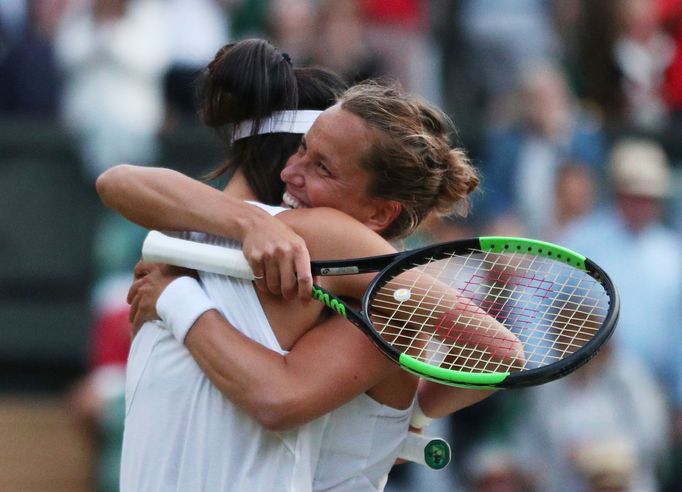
x=488, y=312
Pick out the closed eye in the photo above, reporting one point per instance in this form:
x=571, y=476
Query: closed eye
x=324, y=170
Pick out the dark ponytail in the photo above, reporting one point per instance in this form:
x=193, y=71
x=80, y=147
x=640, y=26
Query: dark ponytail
x=249, y=80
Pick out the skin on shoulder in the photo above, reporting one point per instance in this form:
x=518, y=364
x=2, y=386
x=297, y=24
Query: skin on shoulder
x=331, y=234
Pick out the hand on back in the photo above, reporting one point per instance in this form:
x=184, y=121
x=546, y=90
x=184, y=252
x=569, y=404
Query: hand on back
x=150, y=281
x=279, y=259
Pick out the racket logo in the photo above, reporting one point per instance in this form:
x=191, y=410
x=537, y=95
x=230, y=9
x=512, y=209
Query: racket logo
x=437, y=454
x=329, y=301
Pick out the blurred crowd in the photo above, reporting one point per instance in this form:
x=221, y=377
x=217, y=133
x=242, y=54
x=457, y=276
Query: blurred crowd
x=572, y=111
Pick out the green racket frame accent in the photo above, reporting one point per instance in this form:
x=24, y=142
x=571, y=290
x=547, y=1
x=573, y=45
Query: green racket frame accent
x=449, y=376
x=502, y=244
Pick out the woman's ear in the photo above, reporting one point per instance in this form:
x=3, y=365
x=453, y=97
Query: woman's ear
x=383, y=215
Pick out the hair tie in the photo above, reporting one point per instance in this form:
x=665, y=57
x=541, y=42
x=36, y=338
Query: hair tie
x=287, y=58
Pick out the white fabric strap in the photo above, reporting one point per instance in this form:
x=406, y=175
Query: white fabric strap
x=419, y=418
x=181, y=304
x=278, y=122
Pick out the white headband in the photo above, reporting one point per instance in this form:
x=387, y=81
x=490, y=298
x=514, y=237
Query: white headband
x=279, y=122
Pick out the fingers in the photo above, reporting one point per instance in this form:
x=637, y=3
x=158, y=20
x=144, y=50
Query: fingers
x=142, y=297
x=287, y=275
x=288, y=281
x=140, y=318
x=258, y=270
x=272, y=275
x=132, y=291
x=304, y=275
x=141, y=269
x=134, y=307
x=142, y=308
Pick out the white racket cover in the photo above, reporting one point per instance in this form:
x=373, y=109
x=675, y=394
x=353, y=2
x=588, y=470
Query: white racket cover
x=160, y=248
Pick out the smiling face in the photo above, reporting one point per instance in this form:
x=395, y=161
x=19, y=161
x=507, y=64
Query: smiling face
x=326, y=170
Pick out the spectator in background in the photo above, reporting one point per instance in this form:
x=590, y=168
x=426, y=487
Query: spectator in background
x=97, y=399
x=630, y=241
x=292, y=27
x=600, y=79
x=341, y=42
x=114, y=54
x=575, y=193
x=642, y=51
x=569, y=20
x=520, y=161
x=604, y=424
x=608, y=466
x=670, y=12
x=30, y=81
x=495, y=467
x=399, y=31
x=198, y=28
x=506, y=37
x=13, y=21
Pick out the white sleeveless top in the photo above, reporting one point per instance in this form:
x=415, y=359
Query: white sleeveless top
x=181, y=434
x=360, y=444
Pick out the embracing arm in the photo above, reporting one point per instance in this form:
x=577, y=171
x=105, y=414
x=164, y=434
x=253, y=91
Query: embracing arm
x=438, y=400
x=327, y=367
x=280, y=391
x=159, y=198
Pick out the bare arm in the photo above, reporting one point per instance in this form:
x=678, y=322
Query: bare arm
x=159, y=198
x=437, y=400
x=327, y=367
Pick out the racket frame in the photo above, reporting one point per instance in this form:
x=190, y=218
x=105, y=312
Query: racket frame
x=395, y=264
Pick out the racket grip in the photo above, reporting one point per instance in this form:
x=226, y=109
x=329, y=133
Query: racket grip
x=430, y=451
x=160, y=248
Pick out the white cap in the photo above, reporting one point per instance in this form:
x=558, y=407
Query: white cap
x=640, y=167
x=609, y=462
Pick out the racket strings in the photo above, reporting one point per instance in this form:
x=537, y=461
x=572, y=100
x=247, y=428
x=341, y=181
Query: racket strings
x=489, y=312
x=386, y=302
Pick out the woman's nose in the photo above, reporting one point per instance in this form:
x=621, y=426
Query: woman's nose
x=291, y=174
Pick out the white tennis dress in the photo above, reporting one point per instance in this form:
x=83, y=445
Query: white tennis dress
x=360, y=444
x=182, y=434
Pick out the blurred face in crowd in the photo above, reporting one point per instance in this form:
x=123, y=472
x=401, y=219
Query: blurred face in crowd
x=575, y=191
x=109, y=9
x=639, y=211
x=638, y=19
x=546, y=102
